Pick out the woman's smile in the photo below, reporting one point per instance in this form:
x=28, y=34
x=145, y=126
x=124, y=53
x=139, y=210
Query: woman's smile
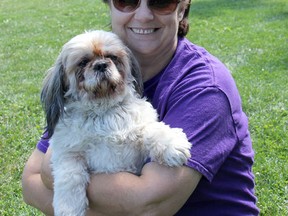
x=143, y=31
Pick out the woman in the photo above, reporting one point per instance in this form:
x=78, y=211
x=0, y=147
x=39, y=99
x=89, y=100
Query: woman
x=190, y=89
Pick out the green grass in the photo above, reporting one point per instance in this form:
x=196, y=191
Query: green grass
x=249, y=36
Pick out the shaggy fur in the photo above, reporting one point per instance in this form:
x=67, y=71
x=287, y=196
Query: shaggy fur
x=97, y=121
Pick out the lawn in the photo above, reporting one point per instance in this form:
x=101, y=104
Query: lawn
x=249, y=36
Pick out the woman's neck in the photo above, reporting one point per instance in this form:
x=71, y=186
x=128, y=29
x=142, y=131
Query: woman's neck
x=153, y=64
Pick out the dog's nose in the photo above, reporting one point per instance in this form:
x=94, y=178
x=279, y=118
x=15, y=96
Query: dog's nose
x=100, y=66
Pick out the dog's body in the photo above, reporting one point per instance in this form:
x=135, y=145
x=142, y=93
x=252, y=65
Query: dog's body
x=101, y=125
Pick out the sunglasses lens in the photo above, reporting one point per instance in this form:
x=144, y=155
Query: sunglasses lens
x=158, y=6
x=126, y=5
x=163, y=6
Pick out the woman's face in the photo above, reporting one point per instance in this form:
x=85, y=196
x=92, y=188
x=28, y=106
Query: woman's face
x=144, y=31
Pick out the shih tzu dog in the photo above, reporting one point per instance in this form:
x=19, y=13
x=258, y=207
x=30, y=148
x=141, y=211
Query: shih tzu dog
x=97, y=121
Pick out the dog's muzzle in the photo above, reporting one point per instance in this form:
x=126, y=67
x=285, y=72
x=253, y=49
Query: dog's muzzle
x=101, y=66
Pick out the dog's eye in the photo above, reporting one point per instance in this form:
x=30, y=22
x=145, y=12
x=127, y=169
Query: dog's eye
x=83, y=63
x=114, y=58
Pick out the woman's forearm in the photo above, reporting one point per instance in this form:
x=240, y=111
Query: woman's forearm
x=158, y=191
x=38, y=196
x=35, y=193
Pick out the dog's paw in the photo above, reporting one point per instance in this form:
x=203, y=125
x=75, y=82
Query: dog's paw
x=174, y=148
x=178, y=150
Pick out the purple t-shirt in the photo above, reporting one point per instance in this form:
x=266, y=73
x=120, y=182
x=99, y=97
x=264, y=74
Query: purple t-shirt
x=197, y=93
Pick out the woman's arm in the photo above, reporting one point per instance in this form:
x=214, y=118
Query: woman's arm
x=159, y=190
x=35, y=193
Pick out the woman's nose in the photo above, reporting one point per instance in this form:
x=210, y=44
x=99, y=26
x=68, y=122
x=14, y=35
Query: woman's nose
x=143, y=13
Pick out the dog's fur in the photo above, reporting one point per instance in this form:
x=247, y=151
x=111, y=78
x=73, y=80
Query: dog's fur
x=97, y=121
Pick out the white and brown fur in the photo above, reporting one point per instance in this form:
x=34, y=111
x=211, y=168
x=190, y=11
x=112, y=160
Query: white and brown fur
x=97, y=121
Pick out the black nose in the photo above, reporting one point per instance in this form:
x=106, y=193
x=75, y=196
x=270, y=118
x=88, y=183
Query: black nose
x=100, y=66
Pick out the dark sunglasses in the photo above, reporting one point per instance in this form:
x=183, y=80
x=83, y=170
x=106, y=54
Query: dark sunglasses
x=161, y=7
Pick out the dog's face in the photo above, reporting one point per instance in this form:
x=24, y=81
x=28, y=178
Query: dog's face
x=96, y=65
x=93, y=66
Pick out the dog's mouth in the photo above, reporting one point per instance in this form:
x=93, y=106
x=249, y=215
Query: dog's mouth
x=102, y=84
x=105, y=88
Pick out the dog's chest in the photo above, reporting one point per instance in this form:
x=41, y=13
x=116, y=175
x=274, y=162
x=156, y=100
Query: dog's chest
x=110, y=143
x=110, y=158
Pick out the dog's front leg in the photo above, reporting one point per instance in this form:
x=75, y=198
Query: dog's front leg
x=70, y=181
x=168, y=146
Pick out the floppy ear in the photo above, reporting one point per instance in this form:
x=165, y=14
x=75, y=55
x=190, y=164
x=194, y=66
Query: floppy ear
x=52, y=96
x=136, y=73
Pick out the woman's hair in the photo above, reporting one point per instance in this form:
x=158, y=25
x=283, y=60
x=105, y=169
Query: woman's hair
x=183, y=24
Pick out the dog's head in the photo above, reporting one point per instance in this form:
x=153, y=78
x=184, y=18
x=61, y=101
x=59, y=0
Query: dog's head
x=94, y=66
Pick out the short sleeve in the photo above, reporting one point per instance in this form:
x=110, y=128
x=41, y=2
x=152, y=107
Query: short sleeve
x=43, y=143
x=205, y=116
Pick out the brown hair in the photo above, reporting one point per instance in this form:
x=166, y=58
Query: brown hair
x=183, y=24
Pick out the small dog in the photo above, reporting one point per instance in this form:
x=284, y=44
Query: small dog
x=97, y=121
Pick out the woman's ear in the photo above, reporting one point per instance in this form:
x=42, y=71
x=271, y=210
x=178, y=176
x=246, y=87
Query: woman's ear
x=181, y=12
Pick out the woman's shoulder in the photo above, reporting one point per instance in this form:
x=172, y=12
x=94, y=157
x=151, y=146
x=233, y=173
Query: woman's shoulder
x=194, y=69
x=194, y=65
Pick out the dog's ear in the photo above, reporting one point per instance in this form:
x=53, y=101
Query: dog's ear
x=52, y=95
x=136, y=73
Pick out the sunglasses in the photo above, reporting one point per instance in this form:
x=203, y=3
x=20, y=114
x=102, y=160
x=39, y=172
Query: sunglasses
x=161, y=7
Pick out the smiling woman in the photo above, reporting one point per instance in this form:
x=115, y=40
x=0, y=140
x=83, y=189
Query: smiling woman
x=190, y=89
x=144, y=29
